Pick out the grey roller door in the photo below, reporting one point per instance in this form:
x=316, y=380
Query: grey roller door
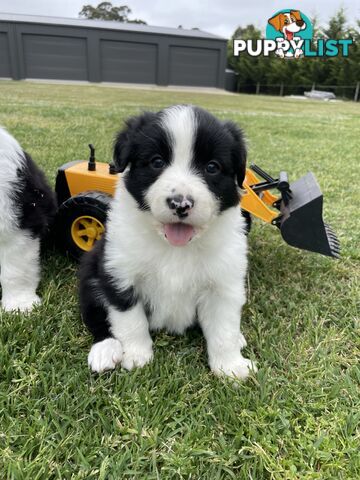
x=128, y=61
x=193, y=66
x=5, y=69
x=56, y=57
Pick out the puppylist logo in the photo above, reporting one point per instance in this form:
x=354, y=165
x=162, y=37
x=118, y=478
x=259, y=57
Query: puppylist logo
x=289, y=34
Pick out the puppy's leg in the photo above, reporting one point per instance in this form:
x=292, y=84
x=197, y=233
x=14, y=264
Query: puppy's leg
x=20, y=272
x=132, y=329
x=106, y=351
x=219, y=317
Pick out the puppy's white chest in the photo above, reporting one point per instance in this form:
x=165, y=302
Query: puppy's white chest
x=171, y=296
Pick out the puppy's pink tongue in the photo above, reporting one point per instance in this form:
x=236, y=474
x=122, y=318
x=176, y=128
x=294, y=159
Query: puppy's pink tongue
x=178, y=234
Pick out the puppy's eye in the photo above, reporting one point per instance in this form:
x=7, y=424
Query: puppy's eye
x=213, y=167
x=286, y=21
x=157, y=163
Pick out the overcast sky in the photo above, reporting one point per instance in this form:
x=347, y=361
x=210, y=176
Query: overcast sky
x=217, y=16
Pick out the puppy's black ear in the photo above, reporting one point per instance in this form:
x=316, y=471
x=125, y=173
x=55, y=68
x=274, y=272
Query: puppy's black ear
x=238, y=151
x=124, y=141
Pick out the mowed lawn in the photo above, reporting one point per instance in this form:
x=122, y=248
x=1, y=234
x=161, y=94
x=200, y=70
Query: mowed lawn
x=298, y=418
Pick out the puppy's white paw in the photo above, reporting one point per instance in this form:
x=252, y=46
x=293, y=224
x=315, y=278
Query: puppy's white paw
x=238, y=367
x=22, y=303
x=105, y=355
x=137, y=355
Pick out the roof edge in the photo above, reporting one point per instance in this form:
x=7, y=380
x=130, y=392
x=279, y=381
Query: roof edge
x=108, y=25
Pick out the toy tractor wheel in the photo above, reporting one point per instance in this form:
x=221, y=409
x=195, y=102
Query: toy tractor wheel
x=81, y=222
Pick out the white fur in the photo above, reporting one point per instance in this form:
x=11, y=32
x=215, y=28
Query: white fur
x=176, y=180
x=132, y=329
x=19, y=253
x=105, y=355
x=11, y=158
x=180, y=124
x=177, y=282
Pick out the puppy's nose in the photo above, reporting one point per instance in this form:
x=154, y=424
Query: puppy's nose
x=180, y=204
x=299, y=23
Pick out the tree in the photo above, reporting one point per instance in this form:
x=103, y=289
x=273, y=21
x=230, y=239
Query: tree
x=106, y=11
x=337, y=26
x=250, y=69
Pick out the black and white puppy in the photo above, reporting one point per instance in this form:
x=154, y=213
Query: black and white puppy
x=175, y=248
x=27, y=207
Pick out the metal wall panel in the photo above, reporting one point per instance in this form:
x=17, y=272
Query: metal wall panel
x=128, y=61
x=5, y=67
x=193, y=66
x=55, y=57
x=67, y=49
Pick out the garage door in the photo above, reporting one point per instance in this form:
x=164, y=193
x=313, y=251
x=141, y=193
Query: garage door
x=55, y=57
x=128, y=62
x=193, y=66
x=5, y=70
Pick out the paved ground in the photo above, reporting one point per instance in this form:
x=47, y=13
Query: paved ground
x=139, y=86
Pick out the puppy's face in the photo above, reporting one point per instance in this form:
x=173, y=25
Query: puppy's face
x=288, y=23
x=184, y=167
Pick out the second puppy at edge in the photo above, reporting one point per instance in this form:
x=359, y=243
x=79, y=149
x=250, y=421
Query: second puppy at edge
x=175, y=248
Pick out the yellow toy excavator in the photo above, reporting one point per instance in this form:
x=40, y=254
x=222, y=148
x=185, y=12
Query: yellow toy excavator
x=84, y=190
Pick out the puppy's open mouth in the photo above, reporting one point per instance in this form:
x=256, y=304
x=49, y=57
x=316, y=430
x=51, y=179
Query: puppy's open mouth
x=179, y=234
x=289, y=35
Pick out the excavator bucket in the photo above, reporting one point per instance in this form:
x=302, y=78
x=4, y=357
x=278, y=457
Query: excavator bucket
x=301, y=222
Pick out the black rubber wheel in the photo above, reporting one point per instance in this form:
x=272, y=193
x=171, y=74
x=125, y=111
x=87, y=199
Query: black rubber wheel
x=80, y=222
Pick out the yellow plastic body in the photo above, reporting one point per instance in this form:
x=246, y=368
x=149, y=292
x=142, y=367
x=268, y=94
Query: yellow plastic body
x=80, y=179
x=258, y=205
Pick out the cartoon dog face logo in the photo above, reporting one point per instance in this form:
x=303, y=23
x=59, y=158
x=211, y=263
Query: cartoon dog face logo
x=288, y=24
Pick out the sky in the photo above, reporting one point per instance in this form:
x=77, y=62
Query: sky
x=220, y=17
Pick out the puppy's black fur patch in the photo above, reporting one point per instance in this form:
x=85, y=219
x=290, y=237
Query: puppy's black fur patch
x=142, y=140
x=36, y=200
x=222, y=142
x=97, y=289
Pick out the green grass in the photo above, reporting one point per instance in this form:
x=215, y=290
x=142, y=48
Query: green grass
x=298, y=418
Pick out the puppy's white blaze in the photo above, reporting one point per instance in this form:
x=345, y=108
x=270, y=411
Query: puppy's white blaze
x=180, y=124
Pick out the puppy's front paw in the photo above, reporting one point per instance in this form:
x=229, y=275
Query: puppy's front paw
x=137, y=355
x=238, y=367
x=22, y=303
x=105, y=355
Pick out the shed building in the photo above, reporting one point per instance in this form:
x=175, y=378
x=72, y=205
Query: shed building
x=101, y=51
